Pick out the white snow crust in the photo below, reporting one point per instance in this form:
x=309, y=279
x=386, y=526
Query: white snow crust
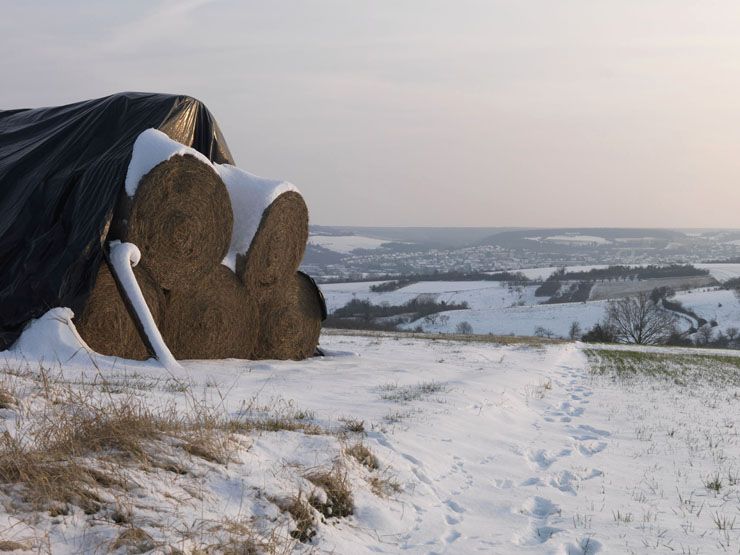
x=50, y=339
x=345, y=244
x=123, y=257
x=250, y=196
x=150, y=149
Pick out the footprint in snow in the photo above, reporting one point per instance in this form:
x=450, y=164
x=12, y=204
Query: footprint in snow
x=594, y=430
x=538, y=530
x=539, y=459
x=589, y=448
x=564, y=481
x=539, y=507
x=570, y=410
x=534, y=534
x=585, y=546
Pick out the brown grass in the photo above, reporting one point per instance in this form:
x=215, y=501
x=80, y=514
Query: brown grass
x=384, y=485
x=135, y=540
x=353, y=425
x=7, y=401
x=303, y=516
x=8, y=545
x=335, y=484
x=363, y=455
x=49, y=471
x=282, y=416
x=209, y=448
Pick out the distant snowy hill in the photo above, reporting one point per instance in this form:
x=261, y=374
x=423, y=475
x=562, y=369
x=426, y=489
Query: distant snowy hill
x=345, y=244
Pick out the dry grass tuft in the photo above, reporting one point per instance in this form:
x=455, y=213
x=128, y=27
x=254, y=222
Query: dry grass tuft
x=384, y=486
x=353, y=425
x=8, y=545
x=211, y=448
x=363, y=455
x=239, y=540
x=135, y=540
x=45, y=462
x=282, y=416
x=335, y=484
x=7, y=401
x=303, y=516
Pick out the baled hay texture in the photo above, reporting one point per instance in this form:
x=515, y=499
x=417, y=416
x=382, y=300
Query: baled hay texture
x=216, y=319
x=290, y=320
x=278, y=246
x=181, y=220
x=106, y=324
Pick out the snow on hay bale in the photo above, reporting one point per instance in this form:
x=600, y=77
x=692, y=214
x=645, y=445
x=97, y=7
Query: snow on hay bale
x=175, y=208
x=290, y=320
x=181, y=219
x=270, y=230
x=217, y=318
x=106, y=324
x=225, y=245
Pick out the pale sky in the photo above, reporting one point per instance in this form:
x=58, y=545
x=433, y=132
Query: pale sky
x=425, y=112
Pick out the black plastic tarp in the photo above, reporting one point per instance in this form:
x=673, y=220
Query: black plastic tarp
x=62, y=170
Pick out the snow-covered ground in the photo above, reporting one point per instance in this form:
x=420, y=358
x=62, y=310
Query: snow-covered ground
x=482, y=295
x=481, y=448
x=713, y=304
x=345, y=244
x=721, y=272
x=496, y=308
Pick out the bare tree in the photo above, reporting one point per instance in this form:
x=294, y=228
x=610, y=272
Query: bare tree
x=732, y=333
x=464, y=328
x=575, y=330
x=705, y=334
x=640, y=320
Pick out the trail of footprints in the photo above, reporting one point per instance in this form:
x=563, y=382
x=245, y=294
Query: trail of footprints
x=539, y=510
x=583, y=439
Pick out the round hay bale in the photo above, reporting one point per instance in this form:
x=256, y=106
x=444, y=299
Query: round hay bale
x=106, y=324
x=277, y=248
x=290, y=321
x=216, y=319
x=181, y=220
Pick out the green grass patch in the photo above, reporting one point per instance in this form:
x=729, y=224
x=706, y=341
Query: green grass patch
x=680, y=368
x=407, y=393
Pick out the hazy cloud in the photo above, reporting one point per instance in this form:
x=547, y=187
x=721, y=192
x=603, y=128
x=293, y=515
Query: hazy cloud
x=426, y=112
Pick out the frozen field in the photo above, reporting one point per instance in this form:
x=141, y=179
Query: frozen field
x=345, y=244
x=499, y=309
x=478, y=448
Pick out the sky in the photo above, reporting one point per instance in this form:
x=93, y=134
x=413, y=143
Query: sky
x=551, y=113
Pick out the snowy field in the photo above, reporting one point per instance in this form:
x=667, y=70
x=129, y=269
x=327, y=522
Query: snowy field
x=345, y=244
x=496, y=308
x=472, y=447
x=719, y=271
